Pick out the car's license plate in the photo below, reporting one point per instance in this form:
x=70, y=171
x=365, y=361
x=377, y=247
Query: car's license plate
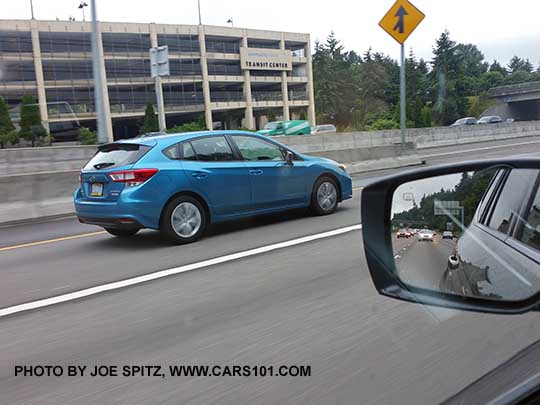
x=96, y=189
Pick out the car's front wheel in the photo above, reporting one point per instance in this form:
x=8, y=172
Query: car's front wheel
x=324, y=198
x=122, y=233
x=184, y=220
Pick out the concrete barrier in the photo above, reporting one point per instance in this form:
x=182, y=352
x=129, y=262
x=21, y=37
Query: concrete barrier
x=37, y=182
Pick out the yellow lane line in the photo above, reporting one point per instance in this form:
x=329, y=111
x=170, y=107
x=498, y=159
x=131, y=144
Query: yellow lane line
x=43, y=242
x=82, y=235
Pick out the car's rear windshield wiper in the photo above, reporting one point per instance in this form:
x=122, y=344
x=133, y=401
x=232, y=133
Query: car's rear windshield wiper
x=103, y=165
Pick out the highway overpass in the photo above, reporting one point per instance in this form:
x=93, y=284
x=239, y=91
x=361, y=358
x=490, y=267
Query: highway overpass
x=518, y=101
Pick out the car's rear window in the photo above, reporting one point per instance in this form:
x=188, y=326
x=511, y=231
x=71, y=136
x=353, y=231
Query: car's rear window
x=114, y=155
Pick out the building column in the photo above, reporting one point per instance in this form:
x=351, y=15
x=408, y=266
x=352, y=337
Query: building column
x=157, y=80
x=310, y=93
x=249, y=121
x=40, y=82
x=206, y=83
x=104, y=88
x=284, y=86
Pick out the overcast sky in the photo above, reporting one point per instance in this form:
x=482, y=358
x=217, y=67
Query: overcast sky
x=501, y=28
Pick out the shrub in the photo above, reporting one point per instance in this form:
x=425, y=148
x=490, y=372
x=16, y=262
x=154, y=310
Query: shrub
x=87, y=136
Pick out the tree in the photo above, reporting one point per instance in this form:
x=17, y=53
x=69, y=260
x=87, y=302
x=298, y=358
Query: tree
x=497, y=67
x=449, y=86
x=151, y=122
x=87, y=136
x=517, y=64
x=7, y=129
x=30, y=123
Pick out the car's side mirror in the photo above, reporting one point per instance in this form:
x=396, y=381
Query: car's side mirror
x=493, y=209
x=289, y=158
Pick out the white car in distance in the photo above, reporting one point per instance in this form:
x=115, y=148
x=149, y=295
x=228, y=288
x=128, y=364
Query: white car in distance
x=425, y=234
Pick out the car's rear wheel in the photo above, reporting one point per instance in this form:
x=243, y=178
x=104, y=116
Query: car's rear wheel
x=184, y=220
x=122, y=233
x=324, y=198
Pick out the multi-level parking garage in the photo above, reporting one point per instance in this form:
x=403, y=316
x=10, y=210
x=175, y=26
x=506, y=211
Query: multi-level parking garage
x=232, y=76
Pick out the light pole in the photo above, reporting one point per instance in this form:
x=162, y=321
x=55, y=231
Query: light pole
x=82, y=6
x=98, y=77
x=32, y=9
x=199, y=5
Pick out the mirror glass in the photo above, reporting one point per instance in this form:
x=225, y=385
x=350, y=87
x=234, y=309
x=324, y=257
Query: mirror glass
x=471, y=234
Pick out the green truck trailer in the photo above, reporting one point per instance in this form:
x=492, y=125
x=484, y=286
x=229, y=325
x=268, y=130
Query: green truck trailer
x=294, y=127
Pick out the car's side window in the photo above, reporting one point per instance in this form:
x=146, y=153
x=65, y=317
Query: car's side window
x=529, y=226
x=507, y=207
x=254, y=149
x=187, y=151
x=172, y=152
x=212, y=149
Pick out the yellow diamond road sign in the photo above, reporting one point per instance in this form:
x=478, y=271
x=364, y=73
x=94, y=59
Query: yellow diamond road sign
x=401, y=20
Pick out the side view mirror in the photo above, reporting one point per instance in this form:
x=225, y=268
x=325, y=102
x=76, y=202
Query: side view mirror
x=492, y=262
x=289, y=158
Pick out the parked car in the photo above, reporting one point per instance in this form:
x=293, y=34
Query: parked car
x=324, y=128
x=295, y=127
x=464, y=121
x=490, y=119
x=447, y=235
x=181, y=183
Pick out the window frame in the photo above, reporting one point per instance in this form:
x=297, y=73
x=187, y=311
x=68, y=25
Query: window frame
x=278, y=145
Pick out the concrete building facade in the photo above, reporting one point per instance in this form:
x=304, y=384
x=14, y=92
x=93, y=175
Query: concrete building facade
x=230, y=76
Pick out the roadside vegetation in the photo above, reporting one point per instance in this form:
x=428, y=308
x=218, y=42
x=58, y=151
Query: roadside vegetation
x=361, y=92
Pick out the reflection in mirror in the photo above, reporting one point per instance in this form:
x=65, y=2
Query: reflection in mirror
x=473, y=234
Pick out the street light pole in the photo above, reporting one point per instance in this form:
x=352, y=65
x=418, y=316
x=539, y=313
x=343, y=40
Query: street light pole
x=32, y=9
x=82, y=6
x=199, y=5
x=98, y=78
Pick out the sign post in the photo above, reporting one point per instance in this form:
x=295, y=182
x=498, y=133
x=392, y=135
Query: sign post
x=400, y=21
x=159, y=66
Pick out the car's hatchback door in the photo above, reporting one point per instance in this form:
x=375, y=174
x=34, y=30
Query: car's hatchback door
x=216, y=174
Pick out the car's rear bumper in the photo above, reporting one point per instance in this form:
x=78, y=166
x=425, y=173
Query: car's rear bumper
x=108, y=222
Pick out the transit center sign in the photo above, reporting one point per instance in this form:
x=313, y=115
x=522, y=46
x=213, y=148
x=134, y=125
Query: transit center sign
x=265, y=59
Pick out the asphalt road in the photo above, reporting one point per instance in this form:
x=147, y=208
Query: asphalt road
x=302, y=302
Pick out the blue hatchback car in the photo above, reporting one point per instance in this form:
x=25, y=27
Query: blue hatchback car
x=179, y=184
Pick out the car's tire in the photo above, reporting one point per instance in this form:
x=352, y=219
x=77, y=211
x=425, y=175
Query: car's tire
x=122, y=233
x=184, y=220
x=324, y=197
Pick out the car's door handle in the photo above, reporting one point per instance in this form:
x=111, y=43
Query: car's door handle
x=255, y=172
x=199, y=175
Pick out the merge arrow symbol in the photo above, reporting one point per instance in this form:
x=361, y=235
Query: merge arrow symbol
x=400, y=14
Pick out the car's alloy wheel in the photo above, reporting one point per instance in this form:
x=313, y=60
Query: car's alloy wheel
x=325, y=196
x=184, y=220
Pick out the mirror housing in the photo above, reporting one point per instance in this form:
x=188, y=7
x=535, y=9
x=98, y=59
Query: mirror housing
x=289, y=158
x=377, y=199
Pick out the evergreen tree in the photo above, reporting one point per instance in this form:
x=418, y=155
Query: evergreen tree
x=151, y=122
x=30, y=123
x=497, y=67
x=7, y=129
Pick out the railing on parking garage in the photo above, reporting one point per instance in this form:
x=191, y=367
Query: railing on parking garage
x=224, y=70
x=266, y=96
x=224, y=96
x=297, y=95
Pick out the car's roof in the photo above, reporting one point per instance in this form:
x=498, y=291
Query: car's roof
x=166, y=139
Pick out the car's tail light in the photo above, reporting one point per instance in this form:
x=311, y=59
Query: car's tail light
x=132, y=177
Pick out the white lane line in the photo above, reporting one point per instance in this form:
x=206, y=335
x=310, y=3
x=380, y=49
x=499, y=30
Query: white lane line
x=176, y=270
x=456, y=152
